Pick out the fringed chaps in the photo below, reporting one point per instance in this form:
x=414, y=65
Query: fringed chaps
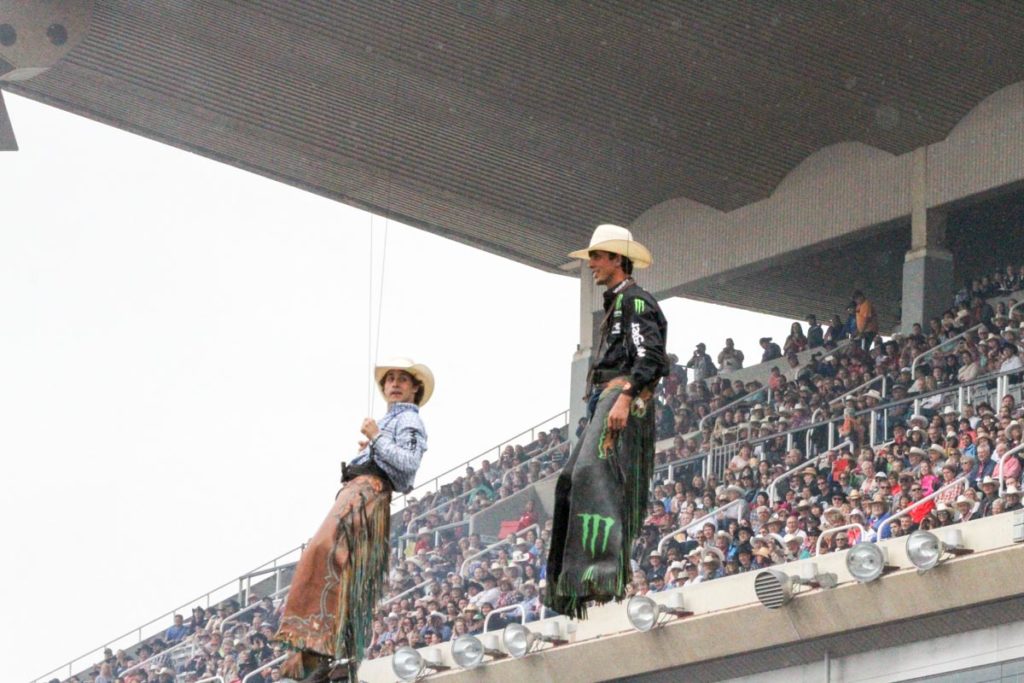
x=600, y=503
x=339, y=579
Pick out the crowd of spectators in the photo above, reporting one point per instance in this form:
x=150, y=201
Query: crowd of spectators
x=461, y=582
x=224, y=641
x=795, y=394
x=964, y=456
x=444, y=583
x=207, y=646
x=519, y=467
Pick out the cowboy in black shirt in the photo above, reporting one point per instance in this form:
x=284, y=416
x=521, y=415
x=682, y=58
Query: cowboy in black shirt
x=601, y=494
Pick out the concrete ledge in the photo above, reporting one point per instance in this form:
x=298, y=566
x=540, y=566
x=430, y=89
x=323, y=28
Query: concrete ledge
x=961, y=594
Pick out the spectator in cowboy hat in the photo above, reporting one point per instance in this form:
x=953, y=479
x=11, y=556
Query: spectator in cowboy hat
x=1012, y=499
x=966, y=509
x=879, y=513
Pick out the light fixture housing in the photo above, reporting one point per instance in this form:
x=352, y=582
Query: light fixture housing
x=408, y=664
x=645, y=614
x=518, y=640
x=926, y=550
x=775, y=588
x=866, y=562
x=468, y=651
x=642, y=612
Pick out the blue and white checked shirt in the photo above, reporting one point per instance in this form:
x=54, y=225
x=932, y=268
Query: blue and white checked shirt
x=400, y=445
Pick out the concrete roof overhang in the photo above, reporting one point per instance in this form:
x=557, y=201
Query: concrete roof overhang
x=517, y=127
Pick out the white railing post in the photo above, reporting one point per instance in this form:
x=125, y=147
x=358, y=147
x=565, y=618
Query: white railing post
x=1002, y=466
x=502, y=610
x=806, y=463
x=947, y=342
x=906, y=511
x=699, y=521
x=249, y=608
x=268, y=665
x=500, y=541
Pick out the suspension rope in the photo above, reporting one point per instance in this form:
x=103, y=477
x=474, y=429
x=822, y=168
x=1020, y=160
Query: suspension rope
x=373, y=347
x=373, y=341
x=369, y=324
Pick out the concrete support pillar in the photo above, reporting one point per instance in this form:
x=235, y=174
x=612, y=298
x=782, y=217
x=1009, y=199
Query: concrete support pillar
x=928, y=267
x=584, y=350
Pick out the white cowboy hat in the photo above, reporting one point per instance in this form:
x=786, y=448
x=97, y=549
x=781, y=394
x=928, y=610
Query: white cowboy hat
x=420, y=373
x=616, y=240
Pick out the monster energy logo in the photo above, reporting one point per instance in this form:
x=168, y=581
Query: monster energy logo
x=589, y=574
x=618, y=302
x=592, y=525
x=639, y=305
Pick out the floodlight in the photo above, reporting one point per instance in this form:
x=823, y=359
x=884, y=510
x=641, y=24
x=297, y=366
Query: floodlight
x=518, y=640
x=409, y=665
x=866, y=562
x=926, y=550
x=645, y=614
x=468, y=651
x=775, y=588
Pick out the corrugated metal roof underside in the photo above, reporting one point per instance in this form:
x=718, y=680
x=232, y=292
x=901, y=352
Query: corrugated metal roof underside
x=519, y=126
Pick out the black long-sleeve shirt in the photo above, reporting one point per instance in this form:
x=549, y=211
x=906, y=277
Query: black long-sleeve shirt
x=633, y=338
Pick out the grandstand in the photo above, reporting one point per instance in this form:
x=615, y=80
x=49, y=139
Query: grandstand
x=836, y=177
x=839, y=459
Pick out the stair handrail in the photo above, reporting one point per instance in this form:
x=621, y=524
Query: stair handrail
x=699, y=521
x=507, y=442
x=423, y=515
x=138, y=630
x=887, y=522
x=935, y=349
x=499, y=542
x=806, y=463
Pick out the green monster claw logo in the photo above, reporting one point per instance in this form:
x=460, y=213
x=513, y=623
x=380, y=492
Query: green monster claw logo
x=592, y=526
x=618, y=302
x=589, y=574
x=639, y=305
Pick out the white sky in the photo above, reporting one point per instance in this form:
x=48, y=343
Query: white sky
x=184, y=361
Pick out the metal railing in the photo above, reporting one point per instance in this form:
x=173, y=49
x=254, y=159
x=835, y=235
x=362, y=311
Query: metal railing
x=414, y=521
x=499, y=542
x=732, y=404
x=160, y=656
x=1009, y=313
x=1012, y=453
x=394, y=598
x=502, y=610
x=849, y=394
x=887, y=522
x=261, y=667
x=772, y=487
x=251, y=608
x=90, y=656
x=834, y=530
x=700, y=521
x=938, y=347
x=245, y=581
x=434, y=485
